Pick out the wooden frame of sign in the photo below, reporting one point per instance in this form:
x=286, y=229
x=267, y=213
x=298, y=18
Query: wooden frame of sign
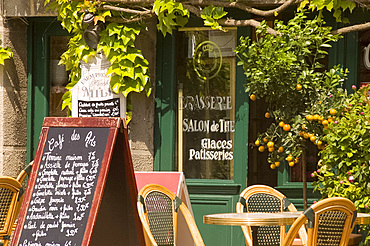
x=82, y=189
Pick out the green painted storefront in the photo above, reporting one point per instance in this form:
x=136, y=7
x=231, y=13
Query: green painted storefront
x=208, y=194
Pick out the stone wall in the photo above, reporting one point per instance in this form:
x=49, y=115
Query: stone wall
x=141, y=127
x=13, y=98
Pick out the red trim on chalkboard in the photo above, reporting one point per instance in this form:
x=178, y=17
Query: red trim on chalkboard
x=100, y=185
x=82, y=122
x=30, y=186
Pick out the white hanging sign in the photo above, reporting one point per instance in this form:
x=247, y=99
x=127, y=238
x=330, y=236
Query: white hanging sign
x=92, y=96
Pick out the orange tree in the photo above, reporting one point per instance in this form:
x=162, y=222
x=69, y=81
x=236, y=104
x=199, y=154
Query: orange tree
x=285, y=71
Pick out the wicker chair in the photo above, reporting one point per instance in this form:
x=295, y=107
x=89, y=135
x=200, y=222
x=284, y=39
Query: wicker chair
x=11, y=192
x=330, y=222
x=9, y=195
x=21, y=178
x=265, y=199
x=157, y=208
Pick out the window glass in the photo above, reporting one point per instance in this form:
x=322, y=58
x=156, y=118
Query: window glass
x=58, y=75
x=312, y=159
x=206, y=124
x=364, y=57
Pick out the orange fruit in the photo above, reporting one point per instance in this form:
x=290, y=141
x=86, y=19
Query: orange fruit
x=267, y=115
x=304, y=127
x=309, y=117
x=272, y=166
x=305, y=135
x=281, y=123
x=265, y=140
x=277, y=163
x=298, y=87
x=261, y=149
x=316, y=117
x=270, y=144
x=286, y=127
x=271, y=149
x=296, y=160
x=333, y=111
x=324, y=122
x=289, y=158
x=313, y=139
x=281, y=149
x=257, y=142
x=291, y=163
x=253, y=97
x=330, y=119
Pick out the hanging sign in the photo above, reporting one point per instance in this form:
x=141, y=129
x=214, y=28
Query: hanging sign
x=92, y=96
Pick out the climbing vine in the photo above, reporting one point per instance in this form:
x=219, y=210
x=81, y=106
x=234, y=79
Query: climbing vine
x=5, y=53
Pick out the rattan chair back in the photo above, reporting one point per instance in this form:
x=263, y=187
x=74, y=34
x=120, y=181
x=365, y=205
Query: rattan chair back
x=11, y=197
x=265, y=199
x=329, y=223
x=158, y=208
x=9, y=194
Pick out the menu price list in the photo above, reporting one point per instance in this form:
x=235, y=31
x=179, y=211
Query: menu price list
x=107, y=108
x=64, y=189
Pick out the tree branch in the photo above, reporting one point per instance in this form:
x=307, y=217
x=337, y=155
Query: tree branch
x=239, y=5
x=250, y=22
x=354, y=28
x=130, y=11
x=125, y=21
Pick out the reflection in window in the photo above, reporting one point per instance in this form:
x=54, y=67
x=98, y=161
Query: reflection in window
x=206, y=125
x=364, y=57
x=312, y=158
x=58, y=75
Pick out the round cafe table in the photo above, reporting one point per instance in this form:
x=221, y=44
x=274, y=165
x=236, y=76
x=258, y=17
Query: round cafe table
x=264, y=219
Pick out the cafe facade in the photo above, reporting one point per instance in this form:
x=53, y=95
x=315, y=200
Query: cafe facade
x=198, y=119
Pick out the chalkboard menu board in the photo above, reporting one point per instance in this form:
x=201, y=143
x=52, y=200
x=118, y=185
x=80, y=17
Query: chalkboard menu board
x=66, y=187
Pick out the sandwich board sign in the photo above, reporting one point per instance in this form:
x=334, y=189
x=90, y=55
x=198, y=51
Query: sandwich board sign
x=82, y=188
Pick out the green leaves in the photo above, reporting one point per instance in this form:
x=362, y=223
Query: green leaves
x=5, y=53
x=129, y=69
x=338, y=6
x=345, y=166
x=211, y=14
x=170, y=14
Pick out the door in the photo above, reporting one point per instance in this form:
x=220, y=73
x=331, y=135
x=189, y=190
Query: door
x=202, y=122
x=46, y=80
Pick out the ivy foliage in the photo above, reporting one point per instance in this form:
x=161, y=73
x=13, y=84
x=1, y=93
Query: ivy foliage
x=170, y=14
x=129, y=69
x=5, y=53
x=286, y=71
x=338, y=7
x=211, y=15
